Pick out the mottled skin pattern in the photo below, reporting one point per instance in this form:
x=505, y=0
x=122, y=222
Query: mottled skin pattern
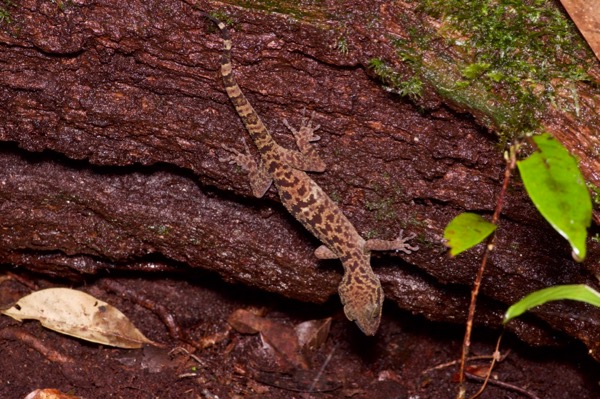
x=360, y=289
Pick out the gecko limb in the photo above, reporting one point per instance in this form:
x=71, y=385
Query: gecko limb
x=307, y=159
x=259, y=177
x=323, y=252
x=399, y=244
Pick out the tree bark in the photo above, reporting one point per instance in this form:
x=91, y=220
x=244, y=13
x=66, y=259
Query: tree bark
x=113, y=116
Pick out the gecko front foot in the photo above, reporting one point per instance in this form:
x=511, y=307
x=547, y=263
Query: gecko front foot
x=306, y=133
x=307, y=159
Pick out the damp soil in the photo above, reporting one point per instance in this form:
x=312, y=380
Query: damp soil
x=409, y=357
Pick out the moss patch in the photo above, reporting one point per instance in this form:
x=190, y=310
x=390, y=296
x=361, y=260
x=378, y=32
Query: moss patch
x=503, y=60
x=4, y=13
x=302, y=11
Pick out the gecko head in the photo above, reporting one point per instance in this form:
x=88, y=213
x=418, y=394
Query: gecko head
x=362, y=302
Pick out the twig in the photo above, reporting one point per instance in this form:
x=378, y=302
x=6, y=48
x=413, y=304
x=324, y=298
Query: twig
x=158, y=309
x=510, y=165
x=23, y=280
x=453, y=362
x=48, y=352
x=504, y=385
x=495, y=357
x=321, y=370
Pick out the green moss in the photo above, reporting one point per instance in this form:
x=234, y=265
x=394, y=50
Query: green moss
x=4, y=13
x=335, y=196
x=411, y=87
x=342, y=45
x=504, y=60
x=414, y=221
x=302, y=11
x=384, y=209
x=424, y=243
x=595, y=194
x=161, y=230
x=223, y=17
x=476, y=70
x=63, y=5
x=371, y=234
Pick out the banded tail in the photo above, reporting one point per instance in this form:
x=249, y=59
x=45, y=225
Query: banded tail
x=257, y=130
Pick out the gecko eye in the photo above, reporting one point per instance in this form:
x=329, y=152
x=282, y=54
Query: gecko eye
x=374, y=311
x=377, y=312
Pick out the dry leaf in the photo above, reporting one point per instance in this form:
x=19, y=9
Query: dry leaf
x=313, y=333
x=49, y=394
x=310, y=381
x=246, y=322
x=479, y=370
x=80, y=315
x=586, y=15
x=280, y=338
x=284, y=341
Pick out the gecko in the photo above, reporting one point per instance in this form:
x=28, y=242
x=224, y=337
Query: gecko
x=360, y=290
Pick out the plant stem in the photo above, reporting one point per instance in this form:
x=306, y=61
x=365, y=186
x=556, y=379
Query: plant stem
x=510, y=165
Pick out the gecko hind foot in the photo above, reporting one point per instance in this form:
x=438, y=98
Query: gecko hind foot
x=399, y=244
x=402, y=245
x=243, y=160
x=259, y=177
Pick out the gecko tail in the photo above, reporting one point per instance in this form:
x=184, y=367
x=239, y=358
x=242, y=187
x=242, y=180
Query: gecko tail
x=225, y=36
x=221, y=25
x=244, y=109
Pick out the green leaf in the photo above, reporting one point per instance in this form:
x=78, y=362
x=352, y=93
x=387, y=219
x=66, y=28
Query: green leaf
x=577, y=292
x=465, y=231
x=557, y=189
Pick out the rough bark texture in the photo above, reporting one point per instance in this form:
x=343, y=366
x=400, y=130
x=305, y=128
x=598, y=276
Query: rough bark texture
x=113, y=115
